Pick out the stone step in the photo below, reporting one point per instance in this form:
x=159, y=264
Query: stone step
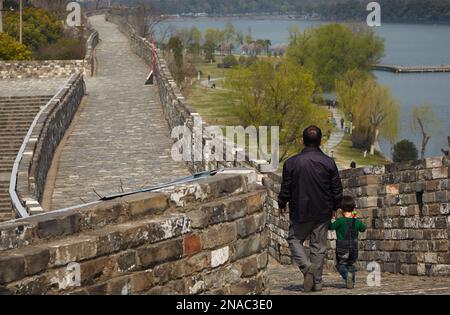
x=19, y=112
x=31, y=105
x=25, y=102
x=10, y=138
x=19, y=131
x=5, y=203
x=5, y=98
x=19, y=105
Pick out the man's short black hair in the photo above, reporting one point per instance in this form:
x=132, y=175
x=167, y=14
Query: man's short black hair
x=348, y=204
x=312, y=136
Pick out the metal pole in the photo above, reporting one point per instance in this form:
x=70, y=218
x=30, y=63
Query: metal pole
x=21, y=21
x=1, y=16
x=153, y=54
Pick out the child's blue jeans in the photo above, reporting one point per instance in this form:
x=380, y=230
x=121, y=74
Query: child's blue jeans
x=346, y=256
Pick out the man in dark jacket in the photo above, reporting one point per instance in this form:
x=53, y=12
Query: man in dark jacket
x=312, y=187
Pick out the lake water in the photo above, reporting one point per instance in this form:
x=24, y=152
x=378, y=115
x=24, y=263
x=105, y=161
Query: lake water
x=406, y=44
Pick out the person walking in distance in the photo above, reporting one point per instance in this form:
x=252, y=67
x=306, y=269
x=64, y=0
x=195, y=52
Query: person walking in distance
x=312, y=187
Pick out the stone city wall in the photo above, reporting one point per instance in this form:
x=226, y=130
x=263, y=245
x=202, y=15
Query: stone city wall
x=45, y=137
x=176, y=109
x=403, y=235
x=204, y=237
x=51, y=68
x=406, y=208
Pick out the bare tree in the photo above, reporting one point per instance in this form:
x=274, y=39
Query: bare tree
x=56, y=6
x=52, y=5
x=425, y=121
x=144, y=19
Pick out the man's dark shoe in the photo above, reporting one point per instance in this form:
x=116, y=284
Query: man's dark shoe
x=317, y=287
x=308, y=283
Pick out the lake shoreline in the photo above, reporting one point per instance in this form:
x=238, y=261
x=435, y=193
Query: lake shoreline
x=408, y=45
x=281, y=17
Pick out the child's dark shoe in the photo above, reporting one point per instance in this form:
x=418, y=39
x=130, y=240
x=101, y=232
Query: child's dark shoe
x=350, y=280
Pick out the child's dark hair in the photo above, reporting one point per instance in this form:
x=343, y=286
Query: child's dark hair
x=348, y=204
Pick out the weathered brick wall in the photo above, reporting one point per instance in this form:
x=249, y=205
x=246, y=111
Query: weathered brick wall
x=203, y=237
x=404, y=234
x=44, y=139
x=51, y=68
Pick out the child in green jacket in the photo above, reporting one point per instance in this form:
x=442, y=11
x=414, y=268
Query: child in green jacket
x=347, y=229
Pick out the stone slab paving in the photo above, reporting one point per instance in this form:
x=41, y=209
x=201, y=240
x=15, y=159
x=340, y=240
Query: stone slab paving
x=31, y=87
x=337, y=135
x=120, y=134
x=287, y=280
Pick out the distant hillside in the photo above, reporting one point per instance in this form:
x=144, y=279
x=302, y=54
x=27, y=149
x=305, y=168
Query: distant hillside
x=392, y=10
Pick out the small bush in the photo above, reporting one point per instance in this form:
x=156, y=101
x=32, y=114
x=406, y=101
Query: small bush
x=360, y=141
x=229, y=61
x=319, y=99
x=10, y=49
x=405, y=150
x=63, y=49
x=251, y=60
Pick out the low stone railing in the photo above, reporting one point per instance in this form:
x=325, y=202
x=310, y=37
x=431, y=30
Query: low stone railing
x=36, y=153
x=51, y=68
x=406, y=209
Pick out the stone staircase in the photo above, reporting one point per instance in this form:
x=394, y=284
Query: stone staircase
x=16, y=116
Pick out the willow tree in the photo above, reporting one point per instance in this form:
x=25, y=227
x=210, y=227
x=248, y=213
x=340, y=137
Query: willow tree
x=426, y=123
x=349, y=88
x=371, y=107
x=331, y=50
x=265, y=94
x=377, y=112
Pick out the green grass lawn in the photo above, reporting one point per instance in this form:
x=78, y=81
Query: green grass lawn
x=344, y=154
x=214, y=105
x=207, y=68
x=216, y=108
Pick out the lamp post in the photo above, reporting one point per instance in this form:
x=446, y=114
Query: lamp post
x=21, y=21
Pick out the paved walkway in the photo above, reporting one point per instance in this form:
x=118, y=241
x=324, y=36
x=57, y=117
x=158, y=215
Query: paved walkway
x=337, y=135
x=287, y=280
x=208, y=84
x=120, y=137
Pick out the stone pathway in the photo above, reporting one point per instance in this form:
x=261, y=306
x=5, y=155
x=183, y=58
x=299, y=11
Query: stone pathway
x=208, y=84
x=337, y=135
x=120, y=139
x=287, y=280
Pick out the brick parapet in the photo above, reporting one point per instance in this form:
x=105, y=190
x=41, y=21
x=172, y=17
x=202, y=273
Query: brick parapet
x=205, y=237
x=406, y=207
